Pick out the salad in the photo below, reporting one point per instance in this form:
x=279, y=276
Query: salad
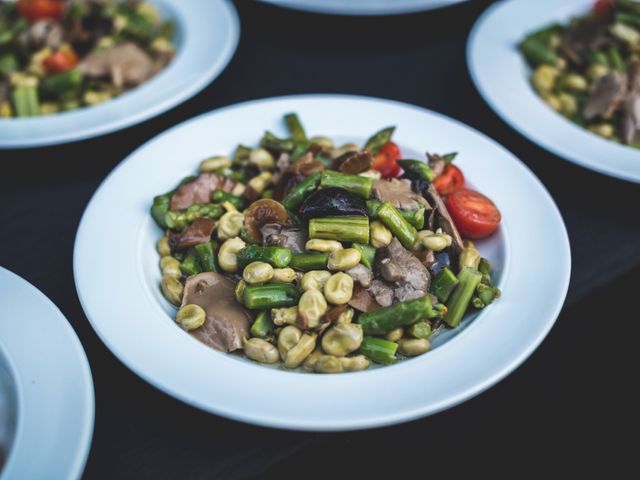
x=321, y=256
x=589, y=69
x=58, y=55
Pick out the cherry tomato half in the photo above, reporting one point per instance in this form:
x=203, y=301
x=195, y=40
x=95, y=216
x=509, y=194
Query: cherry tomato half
x=386, y=161
x=34, y=10
x=475, y=215
x=449, y=180
x=60, y=61
x=603, y=8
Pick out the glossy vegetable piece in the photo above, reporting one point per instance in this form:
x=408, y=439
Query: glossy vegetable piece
x=386, y=161
x=294, y=125
x=277, y=256
x=342, y=229
x=34, y=10
x=332, y=202
x=262, y=326
x=60, y=61
x=367, y=254
x=309, y=261
x=459, y=302
x=260, y=213
x=379, y=350
x=450, y=180
x=416, y=169
x=353, y=183
x=62, y=83
x=206, y=253
x=475, y=215
x=443, y=284
x=298, y=193
x=271, y=295
x=375, y=143
x=391, y=217
x=383, y=320
x=353, y=162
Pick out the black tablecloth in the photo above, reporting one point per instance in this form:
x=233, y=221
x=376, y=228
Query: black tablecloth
x=556, y=400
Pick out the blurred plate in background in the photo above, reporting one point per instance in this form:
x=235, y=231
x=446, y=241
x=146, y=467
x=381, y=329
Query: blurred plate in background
x=501, y=75
x=363, y=7
x=47, y=404
x=207, y=33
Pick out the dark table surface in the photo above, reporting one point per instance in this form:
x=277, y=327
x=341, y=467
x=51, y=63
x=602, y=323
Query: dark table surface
x=564, y=407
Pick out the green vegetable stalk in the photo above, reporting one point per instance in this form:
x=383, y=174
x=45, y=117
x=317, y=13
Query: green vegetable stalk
x=420, y=329
x=190, y=265
x=352, y=183
x=378, y=140
x=414, y=217
x=279, y=145
x=279, y=257
x=417, y=170
x=379, y=350
x=177, y=219
x=383, y=320
x=262, y=325
x=443, y=284
x=296, y=130
x=309, y=261
x=220, y=196
x=298, y=193
x=206, y=253
x=459, y=302
x=342, y=229
x=367, y=254
x=395, y=222
x=270, y=295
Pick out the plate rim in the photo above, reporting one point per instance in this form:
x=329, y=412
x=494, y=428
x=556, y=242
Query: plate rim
x=369, y=422
x=345, y=8
x=212, y=72
x=26, y=433
x=510, y=117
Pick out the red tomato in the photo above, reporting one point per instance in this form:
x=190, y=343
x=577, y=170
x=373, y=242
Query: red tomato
x=386, y=161
x=449, y=180
x=603, y=8
x=34, y=10
x=60, y=61
x=475, y=215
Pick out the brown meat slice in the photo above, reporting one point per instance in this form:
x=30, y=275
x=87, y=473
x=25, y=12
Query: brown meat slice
x=382, y=292
x=401, y=267
x=584, y=35
x=353, y=162
x=227, y=322
x=399, y=193
x=127, y=64
x=362, y=300
x=631, y=106
x=199, y=190
x=444, y=220
x=199, y=231
x=361, y=275
x=605, y=95
x=276, y=235
x=306, y=165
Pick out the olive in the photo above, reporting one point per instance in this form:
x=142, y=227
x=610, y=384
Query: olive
x=332, y=202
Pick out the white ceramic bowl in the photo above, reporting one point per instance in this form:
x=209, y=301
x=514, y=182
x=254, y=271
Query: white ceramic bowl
x=117, y=275
x=47, y=393
x=363, y=7
x=207, y=33
x=502, y=77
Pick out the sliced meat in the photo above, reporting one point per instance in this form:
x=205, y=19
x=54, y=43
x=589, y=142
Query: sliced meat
x=401, y=267
x=199, y=190
x=353, y=162
x=444, y=220
x=605, y=95
x=277, y=235
x=306, y=165
x=630, y=118
x=426, y=257
x=43, y=33
x=382, y=292
x=584, y=35
x=399, y=193
x=199, y=231
x=126, y=64
x=361, y=275
x=362, y=300
x=282, y=165
x=227, y=322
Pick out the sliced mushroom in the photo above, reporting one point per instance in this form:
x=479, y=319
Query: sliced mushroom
x=353, y=162
x=332, y=202
x=262, y=212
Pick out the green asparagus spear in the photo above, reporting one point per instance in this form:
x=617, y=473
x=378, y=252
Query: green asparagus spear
x=378, y=140
x=220, y=196
x=414, y=217
x=279, y=257
x=538, y=52
x=367, y=254
x=459, y=302
x=443, y=284
x=207, y=256
x=342, y=229
x=241, y=155
x=615, y=58
x=298, y=193
x=262, y=325
x=402, y=229
x=296, y=130
x=177, y=219
x=25, y=101
x=190, y=265
x=309, y=261
x=62, y=83
x=352, y=183
x=379, y=350
x=417, y=169
x=597, y=57
x=421, y=329
x=8, y=63
x=271, y=142
x=160, y=205
x=383, y=320
x=270, y=295
x=485, y=295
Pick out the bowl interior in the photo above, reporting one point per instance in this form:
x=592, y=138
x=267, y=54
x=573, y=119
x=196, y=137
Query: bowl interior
x=8, y=407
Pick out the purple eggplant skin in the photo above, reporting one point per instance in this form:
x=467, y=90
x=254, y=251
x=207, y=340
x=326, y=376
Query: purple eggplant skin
x=332, y=202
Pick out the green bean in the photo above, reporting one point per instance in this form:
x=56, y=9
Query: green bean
x=395, y=222
x=298, y=193
x=262, y=325
x=367, y=254
x=459, y=302
x=296, y=130
x=279, y=257
x=342, y=229
x=190, y=265
x=177, y=219
x=309, y=261
x=207, y=256
x=383, y=320
x=415, y=169
x=379, y=350
x=270, y=295
x=443, y=284
x=352, y=183
x=220, y=196
x=378, y=140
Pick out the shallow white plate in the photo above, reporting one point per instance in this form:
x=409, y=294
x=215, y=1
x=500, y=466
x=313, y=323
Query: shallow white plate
x=49, y=383
x=207, y=33
x=119, y=290
x=363, y=7
x=502, y=77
